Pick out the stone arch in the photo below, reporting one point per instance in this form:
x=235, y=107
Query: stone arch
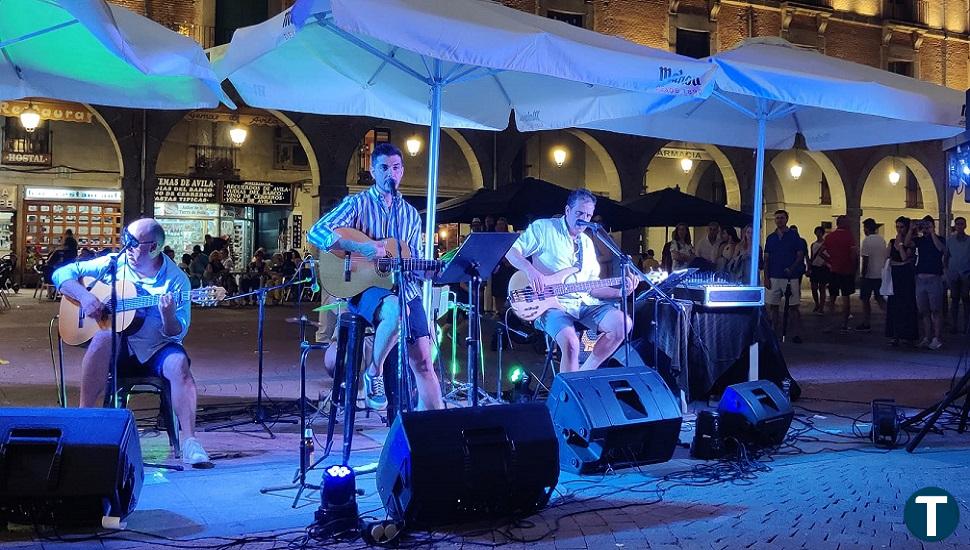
x=605, y=160
x=884, y=206
x=732, y=186
x=478, y=181
x=111, y=135
x=310, y=153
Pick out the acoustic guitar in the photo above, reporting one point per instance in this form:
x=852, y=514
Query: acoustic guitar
x=75, y=328
x=345, y=275
x=528, y=304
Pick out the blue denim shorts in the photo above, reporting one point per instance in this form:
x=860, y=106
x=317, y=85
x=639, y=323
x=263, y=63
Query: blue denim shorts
x=368, y=302
x=129, y=365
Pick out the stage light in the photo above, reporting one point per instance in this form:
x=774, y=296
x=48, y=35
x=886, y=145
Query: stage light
x=516, y=374
x=686, y=164
x=414, y=145
x=338, y=501
x=30, y=118
x=885, y=425
x=238, y=134
x=559, y=155
x=795, y=171
x=520, y=385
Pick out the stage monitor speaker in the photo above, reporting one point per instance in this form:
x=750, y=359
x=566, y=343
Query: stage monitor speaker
x=755, y=412
x=68, y=466
x=455, y=465
x=613, y=418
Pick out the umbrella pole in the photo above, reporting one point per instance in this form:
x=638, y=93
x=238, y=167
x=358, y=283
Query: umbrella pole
x=434, y=140
x=758, y=203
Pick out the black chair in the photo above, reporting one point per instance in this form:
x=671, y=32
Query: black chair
x=134, y=383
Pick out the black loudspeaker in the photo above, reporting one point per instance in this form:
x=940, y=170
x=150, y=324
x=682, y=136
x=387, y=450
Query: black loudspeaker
x=755, y=412
x=68, y=466
x=455, y=465
x=613, y=417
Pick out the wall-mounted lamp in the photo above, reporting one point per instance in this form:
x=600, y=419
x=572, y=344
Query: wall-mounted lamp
x=559, y=155
x=30, y=118
x=893, y=174
x=686, y=164
x=796, y=170
x=413, y=145
x=237, y=134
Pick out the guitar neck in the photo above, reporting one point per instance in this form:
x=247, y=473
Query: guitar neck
x=140, y=302
x=409, y=264
x=586, y=286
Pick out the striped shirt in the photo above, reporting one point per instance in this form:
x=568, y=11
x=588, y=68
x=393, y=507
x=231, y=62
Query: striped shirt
x=367, y=213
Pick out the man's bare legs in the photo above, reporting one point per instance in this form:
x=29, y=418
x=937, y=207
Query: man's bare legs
x=425, y=378
x=175, y=368
x=568, y=342
x=385, y=334
x=611, y=336
x=94, y=368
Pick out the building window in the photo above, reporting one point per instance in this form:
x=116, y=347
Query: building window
x=902, y=10
x=574, y=19
x=290, y=155
x=904, y=68
x=825, y=194
x=24, y=148
x=914, y=198
x=233, y=14
x=696, y=44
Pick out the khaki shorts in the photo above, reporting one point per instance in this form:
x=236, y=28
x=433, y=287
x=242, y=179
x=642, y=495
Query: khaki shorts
x=775, y=296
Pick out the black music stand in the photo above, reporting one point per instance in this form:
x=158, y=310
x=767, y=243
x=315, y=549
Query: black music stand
x=474, y=262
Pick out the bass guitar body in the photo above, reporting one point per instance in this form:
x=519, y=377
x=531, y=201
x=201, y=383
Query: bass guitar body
x=531, y=309
x=336, y=267
x=76, y=329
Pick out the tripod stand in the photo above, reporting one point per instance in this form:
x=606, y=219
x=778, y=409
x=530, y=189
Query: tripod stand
x=934, y=412
x=259, y=414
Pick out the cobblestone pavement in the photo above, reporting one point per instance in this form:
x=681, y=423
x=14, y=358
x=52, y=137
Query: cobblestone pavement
x=825, y=489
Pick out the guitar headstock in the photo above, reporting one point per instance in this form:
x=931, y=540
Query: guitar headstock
x=208, y=296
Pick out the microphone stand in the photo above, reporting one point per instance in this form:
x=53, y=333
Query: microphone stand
x=128, y=242
x=626, y=268
x=403, y=399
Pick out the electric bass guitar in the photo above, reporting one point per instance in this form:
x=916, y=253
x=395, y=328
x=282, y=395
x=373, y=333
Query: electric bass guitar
x=75, y=328
x=528, y=304
x=344, y=274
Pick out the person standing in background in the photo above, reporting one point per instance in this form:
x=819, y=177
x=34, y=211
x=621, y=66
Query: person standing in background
x=873, y=253
x=818, y=270
x=929, y=280
x=957, y=262
x=843, y=252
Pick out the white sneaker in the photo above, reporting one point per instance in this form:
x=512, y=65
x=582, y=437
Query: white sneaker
x=193, y=453
x=374, y=396
x=935, y=344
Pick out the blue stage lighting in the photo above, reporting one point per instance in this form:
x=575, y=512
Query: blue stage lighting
x=338, y=501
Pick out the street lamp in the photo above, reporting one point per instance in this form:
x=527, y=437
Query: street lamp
x=559, y=155
x=414, y=145
x=686, y=164
x=238, y=134
x=30, y=118
x=799, y=145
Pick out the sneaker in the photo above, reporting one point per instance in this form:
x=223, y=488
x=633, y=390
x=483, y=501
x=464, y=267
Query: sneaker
x=193, y=453
x=374, y=395
x=863, y=328
x=935, y=344
x=924, y=343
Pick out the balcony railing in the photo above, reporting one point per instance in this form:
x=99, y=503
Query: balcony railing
x=206, y=36
x=213, y=161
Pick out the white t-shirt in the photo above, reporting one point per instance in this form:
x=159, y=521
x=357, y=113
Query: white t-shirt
x=874, y=247
x=707, y=249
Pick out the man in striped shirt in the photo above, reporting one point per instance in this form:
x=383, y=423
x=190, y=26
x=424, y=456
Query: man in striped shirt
x=381, y=213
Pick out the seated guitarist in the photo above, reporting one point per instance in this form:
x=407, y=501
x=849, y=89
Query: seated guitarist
x=559, y=243
x=156, y=346
x=373, y=213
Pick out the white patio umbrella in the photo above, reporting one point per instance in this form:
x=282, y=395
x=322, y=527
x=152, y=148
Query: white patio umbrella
x=455, y=63
x=767, y=90
x=94, y=52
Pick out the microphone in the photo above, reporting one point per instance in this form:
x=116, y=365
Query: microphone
x=315, y=285
x=584, y=224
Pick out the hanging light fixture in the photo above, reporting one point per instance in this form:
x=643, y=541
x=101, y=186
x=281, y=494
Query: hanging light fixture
x=799, y=145
x=414, y=145
x=893, y=174
x=238, y=134
x=30, y=118
x=559, y=155
x=686, y=164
